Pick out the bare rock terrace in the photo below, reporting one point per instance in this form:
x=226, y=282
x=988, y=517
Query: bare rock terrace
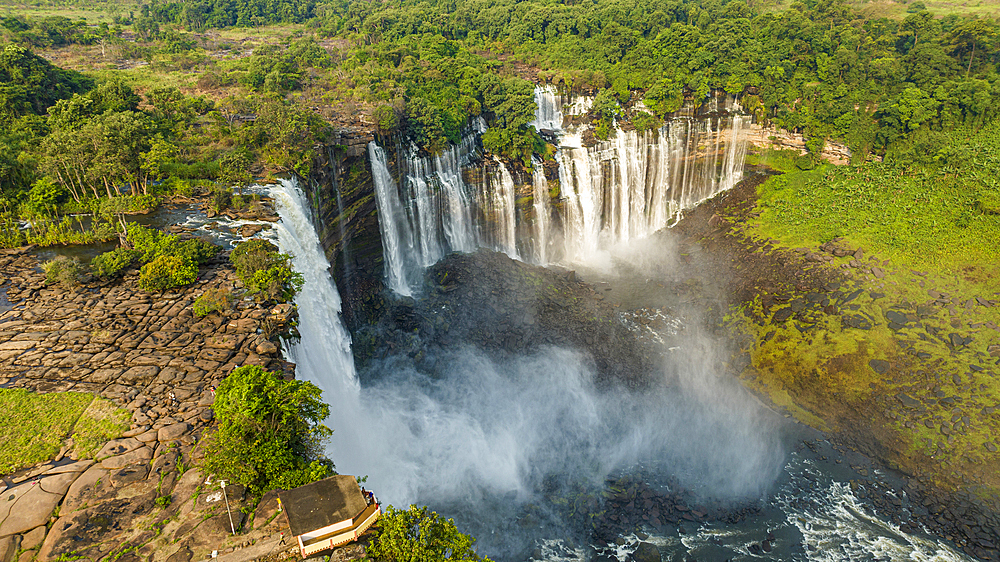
x=139, y=496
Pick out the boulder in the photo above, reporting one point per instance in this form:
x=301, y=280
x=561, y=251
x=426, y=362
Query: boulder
x=33, y=538
x=91, y=532
x=183, y=554
x=143, y=454
x=90, y=485
x=880, y=366
x=266, y=509
x=128, y=475
x=908, y=400
x=646, y=552
x=117, y=447
x=266, y=348
x=172, y=432
x=7, y=548
x=78, y=467
x=148, y=436
x=283, y=312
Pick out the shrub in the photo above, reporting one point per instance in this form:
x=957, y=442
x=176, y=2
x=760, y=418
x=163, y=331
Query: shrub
x=646, y=122
x=419, y=534
x=167, y=272
x=151, y=247
x=196, y=250
x=45, y=195
x=62, y=271
x=265, y=273
x=176, y=186
x=11, y=235
x=151, y=243
x=220, y=199
x=805, y=162
x=213, y=300
x=113, y=263
x=269, y=432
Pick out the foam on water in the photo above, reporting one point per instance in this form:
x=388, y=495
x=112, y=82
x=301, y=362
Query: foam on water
x=840, y=527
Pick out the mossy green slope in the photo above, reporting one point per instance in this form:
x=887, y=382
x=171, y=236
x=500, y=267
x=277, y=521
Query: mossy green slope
x=906, y=343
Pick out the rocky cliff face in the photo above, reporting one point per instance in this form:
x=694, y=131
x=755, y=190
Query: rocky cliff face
x=346, y=218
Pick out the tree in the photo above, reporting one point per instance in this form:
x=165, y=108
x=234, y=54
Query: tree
x=265, y=273
x=46, y=195
x=153, y=160
x=386, y=121
x=965, y=38
x=30, y=84
x=270, y=432
x=234, y=169
x=419, y=535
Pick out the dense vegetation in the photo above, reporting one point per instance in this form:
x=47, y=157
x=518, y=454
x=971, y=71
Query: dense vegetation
x=817, y=66
x=270, y=432
x=419, y=535
x=70, y=144
x=423, y=71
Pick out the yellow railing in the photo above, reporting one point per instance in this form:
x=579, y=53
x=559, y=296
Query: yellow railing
x=318, y=545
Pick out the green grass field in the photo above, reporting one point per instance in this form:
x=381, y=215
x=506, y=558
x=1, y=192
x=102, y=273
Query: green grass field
x=35, y=426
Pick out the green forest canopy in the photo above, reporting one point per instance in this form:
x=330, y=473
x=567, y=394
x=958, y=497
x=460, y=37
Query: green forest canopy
x=422, y=70
x=818, y=67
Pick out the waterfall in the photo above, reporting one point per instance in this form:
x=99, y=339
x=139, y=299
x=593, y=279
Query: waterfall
x=543, y=211
x=637, y=182
x=497, y=202
x=481, y=440
x=428, y=213
x=481, y=429
x=323, y=354
x=397, y=239
x=625, y=188
x=548, y=111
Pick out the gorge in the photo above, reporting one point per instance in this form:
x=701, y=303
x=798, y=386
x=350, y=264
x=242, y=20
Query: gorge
x=470, y=398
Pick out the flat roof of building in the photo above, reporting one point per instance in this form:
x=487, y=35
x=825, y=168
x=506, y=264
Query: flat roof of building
x=322, y=503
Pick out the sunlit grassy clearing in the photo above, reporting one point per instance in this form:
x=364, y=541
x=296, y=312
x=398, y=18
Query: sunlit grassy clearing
x=91, y=13
x=36, y=425
x=941, y=218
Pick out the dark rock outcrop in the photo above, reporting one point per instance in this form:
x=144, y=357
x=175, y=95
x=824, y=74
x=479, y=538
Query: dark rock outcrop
x=503, y=307
x=346, y=216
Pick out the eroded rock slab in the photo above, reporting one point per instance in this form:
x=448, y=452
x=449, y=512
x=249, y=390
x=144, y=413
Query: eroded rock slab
x=30, y=504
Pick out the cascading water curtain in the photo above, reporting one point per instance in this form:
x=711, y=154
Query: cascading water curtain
x=624, y=188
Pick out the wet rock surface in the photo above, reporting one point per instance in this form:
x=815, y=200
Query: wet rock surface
x=348, y=225
x=505, y=308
